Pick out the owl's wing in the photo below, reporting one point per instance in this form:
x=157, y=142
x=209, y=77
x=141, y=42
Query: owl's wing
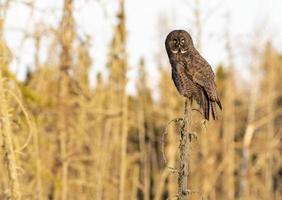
x=202, y=74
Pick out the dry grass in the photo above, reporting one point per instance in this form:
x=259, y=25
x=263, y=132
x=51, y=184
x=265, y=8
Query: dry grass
x=63, y=139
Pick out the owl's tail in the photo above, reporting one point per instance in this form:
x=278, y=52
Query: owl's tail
x=208, y=106
x=213, y=110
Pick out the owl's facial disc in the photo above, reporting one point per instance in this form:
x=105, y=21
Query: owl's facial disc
x=178, y=45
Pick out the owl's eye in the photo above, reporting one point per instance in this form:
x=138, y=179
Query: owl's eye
x=182, y=40
x=174, y=41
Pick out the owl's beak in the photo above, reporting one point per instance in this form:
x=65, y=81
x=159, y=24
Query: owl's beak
x=179, y=49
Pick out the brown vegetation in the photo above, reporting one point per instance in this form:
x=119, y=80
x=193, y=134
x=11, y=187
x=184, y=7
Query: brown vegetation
x=62, y=139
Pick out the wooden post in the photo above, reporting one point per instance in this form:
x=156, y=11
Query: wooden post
x=184, y=145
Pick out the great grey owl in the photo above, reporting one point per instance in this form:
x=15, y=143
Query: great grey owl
x=191, y=73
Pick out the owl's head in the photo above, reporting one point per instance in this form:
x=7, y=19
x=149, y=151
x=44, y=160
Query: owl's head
x=178, y=42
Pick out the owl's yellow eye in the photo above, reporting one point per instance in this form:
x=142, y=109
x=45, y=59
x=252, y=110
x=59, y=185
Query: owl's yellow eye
x=182, y=40
x=174, y=41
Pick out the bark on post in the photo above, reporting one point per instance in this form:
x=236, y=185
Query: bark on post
x=184, y=145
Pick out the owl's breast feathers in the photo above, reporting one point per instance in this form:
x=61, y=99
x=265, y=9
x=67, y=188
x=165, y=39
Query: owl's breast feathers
x=183, y=80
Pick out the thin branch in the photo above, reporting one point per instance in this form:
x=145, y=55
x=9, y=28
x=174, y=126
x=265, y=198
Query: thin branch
x=164, y=134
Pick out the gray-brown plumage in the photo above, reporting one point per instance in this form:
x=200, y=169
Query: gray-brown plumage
x=191, y=73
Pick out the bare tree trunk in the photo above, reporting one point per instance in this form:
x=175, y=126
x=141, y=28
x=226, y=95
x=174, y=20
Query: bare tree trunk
x=36, y=140
x=38, y=165
x=271, y=79
x=244, y=182
x=66, y=39
x=123, y=146
x=135, y=183
x=6, y=129
x=183, y=153
x=229, y=118
x=124, y=120
x=198, y=21
x=144, y=156
x=62, y=139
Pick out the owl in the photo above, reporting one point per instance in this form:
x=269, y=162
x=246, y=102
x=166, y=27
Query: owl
x=191, y=73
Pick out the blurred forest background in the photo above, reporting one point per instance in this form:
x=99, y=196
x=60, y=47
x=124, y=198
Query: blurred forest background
x=64, y=138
